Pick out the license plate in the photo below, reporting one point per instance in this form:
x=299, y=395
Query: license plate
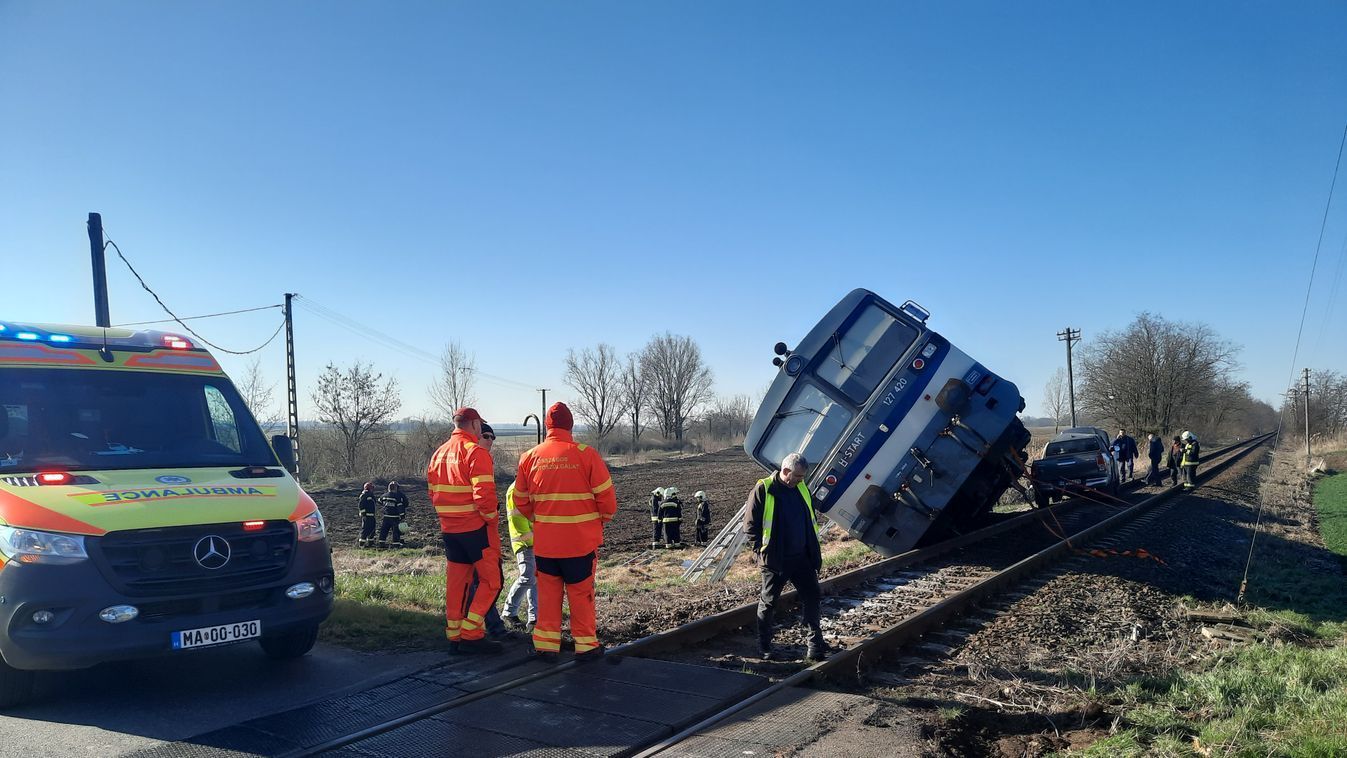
x=216, y=635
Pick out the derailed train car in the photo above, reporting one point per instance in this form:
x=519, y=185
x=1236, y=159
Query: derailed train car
x=908, y=438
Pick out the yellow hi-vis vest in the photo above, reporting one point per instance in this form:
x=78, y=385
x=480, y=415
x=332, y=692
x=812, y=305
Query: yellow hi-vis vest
x=769, y=510
x=521, y=531
x=1190, y=454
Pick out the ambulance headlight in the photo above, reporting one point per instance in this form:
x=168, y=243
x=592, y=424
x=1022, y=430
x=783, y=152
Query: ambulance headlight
x=311, y=527
x=32, y=546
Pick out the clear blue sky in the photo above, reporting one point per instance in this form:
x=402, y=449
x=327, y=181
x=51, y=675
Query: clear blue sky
x=528, y=177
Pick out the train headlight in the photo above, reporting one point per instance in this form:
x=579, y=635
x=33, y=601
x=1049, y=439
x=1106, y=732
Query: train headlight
x=794, y=364
x=822, y=493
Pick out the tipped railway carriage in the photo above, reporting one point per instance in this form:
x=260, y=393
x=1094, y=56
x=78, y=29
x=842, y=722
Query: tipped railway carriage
x=907, y=437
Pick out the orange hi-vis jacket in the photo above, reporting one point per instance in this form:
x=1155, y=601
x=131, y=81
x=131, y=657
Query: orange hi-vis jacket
x=565, y=490
x=462, y=482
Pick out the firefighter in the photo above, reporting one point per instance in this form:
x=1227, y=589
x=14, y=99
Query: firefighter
x=395, y=509
x=369, y=509
x=671, y=514
x=703, y=517
x=656, y=496
x=565, y=490
x=462, y=487
x=780, y=523
x=1192, y=453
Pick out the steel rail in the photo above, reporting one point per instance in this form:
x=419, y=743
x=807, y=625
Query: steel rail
x=851, y=659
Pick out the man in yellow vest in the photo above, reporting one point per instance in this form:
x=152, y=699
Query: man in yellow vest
x=526, y=585
x=783, y=530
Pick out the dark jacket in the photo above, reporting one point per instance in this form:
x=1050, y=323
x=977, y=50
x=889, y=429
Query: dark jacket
x=394, y=503
x=655, y=500
x=1127, y=447
x=1175, y=455
x=369, y=503
x=671, y=509
x=1156, y=451
x=790, y=511
x=704, y=512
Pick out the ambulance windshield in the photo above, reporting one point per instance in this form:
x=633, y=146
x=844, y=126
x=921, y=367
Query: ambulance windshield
x=71, y=419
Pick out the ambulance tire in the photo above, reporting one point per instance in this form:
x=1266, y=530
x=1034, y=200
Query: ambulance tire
x=16, y=686
x=291, y=644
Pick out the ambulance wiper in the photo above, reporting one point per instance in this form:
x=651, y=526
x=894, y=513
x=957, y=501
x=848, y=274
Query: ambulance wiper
x=837, y=342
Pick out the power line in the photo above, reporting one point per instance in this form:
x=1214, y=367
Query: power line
x=179, y=321
x=207, y=315
x=393, y=343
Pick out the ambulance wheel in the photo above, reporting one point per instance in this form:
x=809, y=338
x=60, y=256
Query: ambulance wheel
x=16, y=686
x=291, y=644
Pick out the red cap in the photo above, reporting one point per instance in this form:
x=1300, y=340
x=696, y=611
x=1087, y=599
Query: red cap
x=467, y=414
x=559, y=417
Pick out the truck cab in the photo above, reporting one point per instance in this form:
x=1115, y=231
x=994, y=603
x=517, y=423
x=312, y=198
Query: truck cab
x=142, y=510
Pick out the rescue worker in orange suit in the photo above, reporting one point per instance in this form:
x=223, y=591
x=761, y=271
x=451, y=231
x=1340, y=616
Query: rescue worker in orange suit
x=564, y=488
x=369, y=511
x=462, y=483
x=782, y=528
x=671, y=513
x=395, y=509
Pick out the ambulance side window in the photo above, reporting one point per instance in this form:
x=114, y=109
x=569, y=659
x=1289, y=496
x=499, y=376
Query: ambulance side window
x=223, y=426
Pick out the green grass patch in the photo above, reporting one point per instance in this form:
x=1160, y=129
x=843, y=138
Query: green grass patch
x=384, y=612
x=1330, y=499
x=847, y=555
x=1261, y=700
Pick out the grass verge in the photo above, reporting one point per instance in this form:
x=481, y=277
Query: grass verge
x=1330, y=499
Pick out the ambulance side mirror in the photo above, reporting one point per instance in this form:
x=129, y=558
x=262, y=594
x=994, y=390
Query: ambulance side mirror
x=285, y=451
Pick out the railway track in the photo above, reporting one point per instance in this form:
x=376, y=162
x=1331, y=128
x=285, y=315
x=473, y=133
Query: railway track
x=867, y=613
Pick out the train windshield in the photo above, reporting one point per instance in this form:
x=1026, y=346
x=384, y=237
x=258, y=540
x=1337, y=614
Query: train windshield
x=856, y=360
x=811, y=424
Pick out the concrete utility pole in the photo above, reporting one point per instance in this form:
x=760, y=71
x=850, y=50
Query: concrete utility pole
x=101, y=317
x=1070, y=337
x=291, y=390
x=1307, y=418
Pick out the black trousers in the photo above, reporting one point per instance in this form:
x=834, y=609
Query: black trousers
x=390, y=524
x=659, y=532
x=703, y=531
x=1190, y=475
x=799, y=573
x=367, y=524
x=671, y=535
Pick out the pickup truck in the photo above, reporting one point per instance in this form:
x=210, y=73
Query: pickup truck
x=1080, y=456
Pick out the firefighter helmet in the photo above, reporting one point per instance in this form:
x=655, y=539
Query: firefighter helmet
x=1186, y=436
x=670, y=492
x=657, y=492
x=700, y=495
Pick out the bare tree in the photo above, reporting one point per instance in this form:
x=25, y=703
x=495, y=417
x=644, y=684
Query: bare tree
x=1158, y=374
x=357, y=402
x=729, y=417
x=1057, y=398
x=452, y=387
x=596, y=376
x=680, y=382
x=259, y=396
x=635, y=395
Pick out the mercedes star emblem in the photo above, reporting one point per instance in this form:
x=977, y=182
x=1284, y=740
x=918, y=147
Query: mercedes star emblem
x=211, y=552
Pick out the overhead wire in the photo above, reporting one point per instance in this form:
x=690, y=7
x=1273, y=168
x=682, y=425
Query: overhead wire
x=178, y=320
x=1295, y=355
x=206, y=315
x=393, y=343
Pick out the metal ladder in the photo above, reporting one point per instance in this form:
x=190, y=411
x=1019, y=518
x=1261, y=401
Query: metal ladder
x=720, y=553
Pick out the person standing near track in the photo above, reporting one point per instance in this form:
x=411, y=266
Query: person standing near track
x=564, y=488
x=395, y=509
x=1125, y=449
x=495, y=626
x=462, y=483
x=1191, y=456
x=1172, y=462
x=1155, y=451
x=369, y=515
x=526, y=584
x=703, y=524
x=671, y=513
x=781, y=526
x=656, y=497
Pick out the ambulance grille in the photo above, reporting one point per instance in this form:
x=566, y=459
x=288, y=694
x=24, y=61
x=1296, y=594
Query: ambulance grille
x=161, y=562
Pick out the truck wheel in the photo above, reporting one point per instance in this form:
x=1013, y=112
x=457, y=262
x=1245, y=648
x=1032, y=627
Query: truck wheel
x=291, y=644
x=16, y=686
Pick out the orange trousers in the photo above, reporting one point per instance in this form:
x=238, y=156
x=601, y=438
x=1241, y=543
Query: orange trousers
x=469, y=552
x=573, y=578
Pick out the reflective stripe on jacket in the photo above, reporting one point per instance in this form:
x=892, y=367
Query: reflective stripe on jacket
x=1191, y=453
x=462, y=483
x=769, y=510
x=565, y=489
x=521, y=531
x=671, y=511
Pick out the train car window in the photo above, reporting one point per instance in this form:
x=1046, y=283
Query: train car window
x=857, y=359
x=811, y=424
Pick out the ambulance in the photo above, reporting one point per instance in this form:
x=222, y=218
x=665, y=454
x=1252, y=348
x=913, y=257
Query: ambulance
x=142, y=510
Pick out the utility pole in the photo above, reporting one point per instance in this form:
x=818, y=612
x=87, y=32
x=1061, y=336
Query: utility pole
x=291, y=390
x=101, y=317
x=1070, y=337
x=543, y=415
x=1307, y=419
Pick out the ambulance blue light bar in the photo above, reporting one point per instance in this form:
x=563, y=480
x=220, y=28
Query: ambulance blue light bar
x=26, y=336
x=59, y=337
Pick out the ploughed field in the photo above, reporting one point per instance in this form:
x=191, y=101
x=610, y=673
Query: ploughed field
x=725, y=475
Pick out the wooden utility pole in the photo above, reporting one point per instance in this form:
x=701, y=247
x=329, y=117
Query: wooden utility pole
x=101, y=316
x=1070, y=337
x=1307, y=419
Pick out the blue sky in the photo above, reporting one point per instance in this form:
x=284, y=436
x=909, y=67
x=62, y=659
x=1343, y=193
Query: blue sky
x=531, y=177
